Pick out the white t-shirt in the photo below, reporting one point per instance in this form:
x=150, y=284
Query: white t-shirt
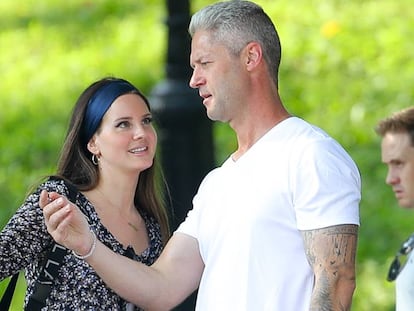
x=247, y=215
x=404, y=285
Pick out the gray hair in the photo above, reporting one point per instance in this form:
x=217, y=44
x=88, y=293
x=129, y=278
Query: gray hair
x=235, y=23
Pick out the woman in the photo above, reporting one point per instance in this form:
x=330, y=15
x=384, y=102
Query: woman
x=109, y=157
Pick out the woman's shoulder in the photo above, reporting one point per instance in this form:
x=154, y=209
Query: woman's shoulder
x=52, y=184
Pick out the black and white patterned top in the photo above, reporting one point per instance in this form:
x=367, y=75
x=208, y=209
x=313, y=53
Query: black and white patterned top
x=24, y=243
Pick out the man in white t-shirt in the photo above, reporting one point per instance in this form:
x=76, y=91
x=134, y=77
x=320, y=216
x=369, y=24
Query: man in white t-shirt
x=397, y=152
x=251, y=216
x=275, y=227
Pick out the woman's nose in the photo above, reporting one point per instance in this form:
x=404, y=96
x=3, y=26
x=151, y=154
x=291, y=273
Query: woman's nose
x=139, y=132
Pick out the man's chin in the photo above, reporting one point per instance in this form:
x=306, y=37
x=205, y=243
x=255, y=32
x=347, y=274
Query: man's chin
x=406, y=203
x=214, y=117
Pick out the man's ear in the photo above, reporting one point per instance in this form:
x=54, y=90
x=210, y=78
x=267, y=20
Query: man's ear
x=253, y=54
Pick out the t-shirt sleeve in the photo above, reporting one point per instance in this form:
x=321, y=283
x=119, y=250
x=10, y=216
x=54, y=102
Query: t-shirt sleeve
x=326, y=186
x=190, y=224
x=201, y=201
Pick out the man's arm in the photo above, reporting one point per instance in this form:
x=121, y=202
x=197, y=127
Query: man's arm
x=174, y=276
x=331, y=253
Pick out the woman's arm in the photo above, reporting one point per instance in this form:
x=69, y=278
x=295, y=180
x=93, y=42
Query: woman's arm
x=174, y=276
x=24, y=239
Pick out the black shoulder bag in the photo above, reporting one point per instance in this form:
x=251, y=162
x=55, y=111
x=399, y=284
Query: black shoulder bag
x=48, y=273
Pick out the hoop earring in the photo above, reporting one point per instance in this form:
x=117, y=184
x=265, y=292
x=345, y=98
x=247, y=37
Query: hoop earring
x=95, y=159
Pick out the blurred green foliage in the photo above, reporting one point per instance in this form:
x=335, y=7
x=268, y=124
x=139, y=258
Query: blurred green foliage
x=345, y=65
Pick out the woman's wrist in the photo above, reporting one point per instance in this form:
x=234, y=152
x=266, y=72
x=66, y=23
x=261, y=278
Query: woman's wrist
x=91, y=249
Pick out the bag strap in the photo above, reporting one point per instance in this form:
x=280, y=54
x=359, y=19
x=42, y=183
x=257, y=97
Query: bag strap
x=50, y=269
x=8, y=293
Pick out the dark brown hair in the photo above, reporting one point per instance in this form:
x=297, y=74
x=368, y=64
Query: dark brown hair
x=75, y=164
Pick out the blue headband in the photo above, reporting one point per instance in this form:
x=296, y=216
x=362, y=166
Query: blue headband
x=99, y=104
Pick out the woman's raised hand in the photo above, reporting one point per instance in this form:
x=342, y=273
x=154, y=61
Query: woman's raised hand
x=65, y=222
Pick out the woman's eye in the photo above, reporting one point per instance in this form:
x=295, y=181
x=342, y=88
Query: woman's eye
x=123, y=124
x=147, y=120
